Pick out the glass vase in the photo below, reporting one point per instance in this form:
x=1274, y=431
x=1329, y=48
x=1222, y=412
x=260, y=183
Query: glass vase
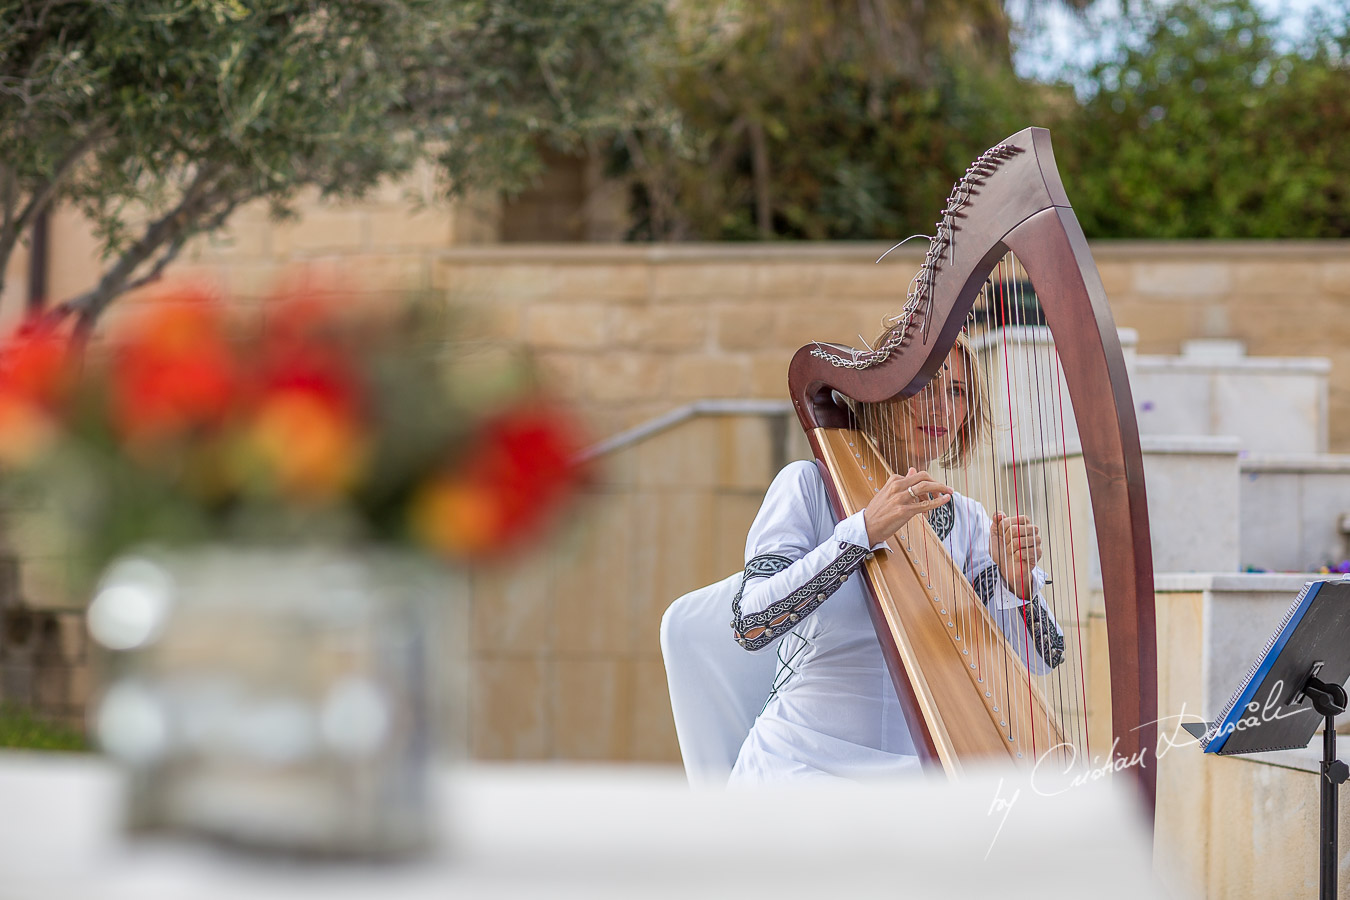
x=272, y=698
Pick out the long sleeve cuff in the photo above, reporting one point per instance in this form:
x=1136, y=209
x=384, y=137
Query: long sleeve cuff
x=854, y=531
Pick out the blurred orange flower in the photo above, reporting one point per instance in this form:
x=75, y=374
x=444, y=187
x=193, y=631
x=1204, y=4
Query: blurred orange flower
x=173, y=372
x=457, y=519
x=306, y=429
x=310, y=452
x=523, y=464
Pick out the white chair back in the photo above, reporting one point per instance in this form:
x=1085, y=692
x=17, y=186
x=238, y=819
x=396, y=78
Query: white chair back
x=716, y=688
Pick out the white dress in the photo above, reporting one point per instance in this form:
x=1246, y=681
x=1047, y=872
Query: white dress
x=833, y=711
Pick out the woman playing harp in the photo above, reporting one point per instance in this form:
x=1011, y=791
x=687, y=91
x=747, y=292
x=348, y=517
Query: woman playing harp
x=833, y=711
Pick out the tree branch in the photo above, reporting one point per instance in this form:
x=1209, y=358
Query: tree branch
x=41, y=198
x=759, y=162
x=9, y=199
x=179, y=241
x=661, y=205
x=177, y=221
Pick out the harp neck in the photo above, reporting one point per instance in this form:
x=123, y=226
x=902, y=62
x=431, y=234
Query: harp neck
x=1008, y=185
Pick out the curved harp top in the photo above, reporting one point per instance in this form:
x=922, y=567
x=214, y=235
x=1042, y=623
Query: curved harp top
x=1011, y=201
x=1008, y=184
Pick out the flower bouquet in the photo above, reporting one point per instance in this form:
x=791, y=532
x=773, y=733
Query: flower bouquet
x=263, y=493
x=304, y=422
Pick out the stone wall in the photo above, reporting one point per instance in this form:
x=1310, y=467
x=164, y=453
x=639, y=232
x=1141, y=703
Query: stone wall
x=565, y=659
x=630, y=332
x=634, y=330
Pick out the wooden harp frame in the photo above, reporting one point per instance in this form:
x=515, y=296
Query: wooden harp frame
x=1012, y=200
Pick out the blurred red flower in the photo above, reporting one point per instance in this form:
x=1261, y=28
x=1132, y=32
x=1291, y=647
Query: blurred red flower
x=173, y=371
x=298, y=317
x=35, y=374
x=35, y=364
x=521, y=466
x=320, y=415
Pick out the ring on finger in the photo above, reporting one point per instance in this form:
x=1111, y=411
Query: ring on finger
x=911, y=493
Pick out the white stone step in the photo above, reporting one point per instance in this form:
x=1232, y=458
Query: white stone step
x=1193, y=502
x=1192, y=488
x=1292, y=510
x=1272, y=404
x=1019, y=364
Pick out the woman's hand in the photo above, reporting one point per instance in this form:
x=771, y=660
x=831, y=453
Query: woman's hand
x=900, y=499
x=1015, y=545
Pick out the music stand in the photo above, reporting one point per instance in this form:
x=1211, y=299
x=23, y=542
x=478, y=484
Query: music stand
x=1295, y=683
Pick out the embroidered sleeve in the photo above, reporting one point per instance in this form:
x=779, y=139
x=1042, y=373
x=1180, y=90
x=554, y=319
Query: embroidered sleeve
x=985, y=583
x=1045, y=634
x=754, y=630
x=796, y=555
x=1046, y=637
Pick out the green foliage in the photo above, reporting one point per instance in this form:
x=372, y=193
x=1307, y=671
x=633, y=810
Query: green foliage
x=821, y=120
x=20, y=729
x=160, y=117
x=810, y=120
x=1200, y=126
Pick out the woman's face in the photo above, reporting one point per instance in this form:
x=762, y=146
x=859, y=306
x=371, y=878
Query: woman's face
x=937, y=412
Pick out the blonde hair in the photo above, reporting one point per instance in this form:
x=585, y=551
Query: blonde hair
x=968, y=433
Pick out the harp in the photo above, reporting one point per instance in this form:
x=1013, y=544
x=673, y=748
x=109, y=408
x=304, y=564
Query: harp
x=1008, y=266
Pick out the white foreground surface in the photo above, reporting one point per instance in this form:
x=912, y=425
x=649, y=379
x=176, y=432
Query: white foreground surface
x=598, y=832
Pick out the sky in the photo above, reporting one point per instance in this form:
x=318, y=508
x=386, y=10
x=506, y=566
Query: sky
x=1052, y=37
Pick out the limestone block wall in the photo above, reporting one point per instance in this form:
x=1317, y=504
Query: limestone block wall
x=634, y=329
x=1282, y=298
x=628, y=332
x=565, y=658
x=1272, y=404
x=386, y=241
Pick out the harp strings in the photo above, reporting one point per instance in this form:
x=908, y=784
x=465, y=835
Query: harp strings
x=1002, y=495
x=1023, y=404
x=1068, y=536
x=1035, y=475
x=1020, y=466
x=1023, y=500
x=987, y=662
x=1037, y=487
x=1068, y=680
